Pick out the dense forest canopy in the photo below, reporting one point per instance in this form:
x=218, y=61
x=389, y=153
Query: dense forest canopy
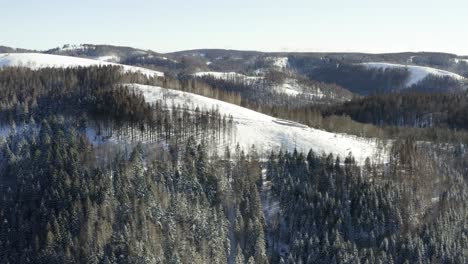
x=170, y=191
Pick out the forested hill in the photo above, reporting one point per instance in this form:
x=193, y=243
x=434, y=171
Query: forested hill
x=410, y=109
x=358, y=73
x=102, y=162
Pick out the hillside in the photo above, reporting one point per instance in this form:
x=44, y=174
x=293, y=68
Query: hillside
x=38, y=60
x=268, y=133
x=96, y=168
x=331, y=68
x=234, y=132
x=416, y=73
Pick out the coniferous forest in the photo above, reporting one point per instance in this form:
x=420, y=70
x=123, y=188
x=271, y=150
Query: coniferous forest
x=173, y=190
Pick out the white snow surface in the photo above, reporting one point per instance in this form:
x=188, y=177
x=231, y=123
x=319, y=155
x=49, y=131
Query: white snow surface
x=417, y=73
x=266, y=132
x=280, y=62
x=69, y=47
x=291, y=87
x=109, y=58
x=40, y=60
x=460, y=60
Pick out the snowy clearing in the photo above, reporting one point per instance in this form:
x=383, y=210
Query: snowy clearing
x=417, y=73
x=291, y=87
x=460, y=60
x=227, y=75
x=40, y=60
x=68, y=47
x=108, y=58
x=280, y=62
x=266, y=132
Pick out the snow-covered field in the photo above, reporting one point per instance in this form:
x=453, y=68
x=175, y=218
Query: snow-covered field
x=40, y=60
x=417, y=73
x=266, y=132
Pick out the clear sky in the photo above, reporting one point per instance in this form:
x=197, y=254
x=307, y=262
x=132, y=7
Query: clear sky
x=273, y=25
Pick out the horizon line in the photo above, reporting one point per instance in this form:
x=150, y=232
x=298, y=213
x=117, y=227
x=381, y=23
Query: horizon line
x=247, y=50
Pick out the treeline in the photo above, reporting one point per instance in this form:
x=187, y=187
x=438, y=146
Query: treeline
x=437, y=84
x=61, y=204
x=445, y=110
x=73, y=91
x=358, y=78
x=94, y=99
x=201, y=87
x=324, y=117
x=264, y=92
x=158, y=122
x=363, y=80
x=178, y=203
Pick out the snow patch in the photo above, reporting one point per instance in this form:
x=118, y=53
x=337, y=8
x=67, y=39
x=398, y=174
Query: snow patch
x=40, y=60
x=417, y=73
x=228, y=76
x=108, y=58
x=224, y=75
x=460, y=60
x=292, y=87
x=280, y=62
x=68, y=47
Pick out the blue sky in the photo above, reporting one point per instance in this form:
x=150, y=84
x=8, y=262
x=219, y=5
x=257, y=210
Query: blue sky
x=287, y=25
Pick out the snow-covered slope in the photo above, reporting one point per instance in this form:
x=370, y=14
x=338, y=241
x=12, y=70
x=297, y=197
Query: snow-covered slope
x=417, y=73
x=40, y=60
x=292, y=87
x=280, y=62
x=227, y=75
x=288, y=86
x=266, y=132
x=108, y=58
x=460, y=60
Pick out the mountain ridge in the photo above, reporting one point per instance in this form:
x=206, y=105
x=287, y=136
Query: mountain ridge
x=331, y=68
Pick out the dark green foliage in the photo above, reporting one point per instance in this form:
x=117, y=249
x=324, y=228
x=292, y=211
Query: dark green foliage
x=408, y=109
x=61, y=205
x=339, y=213
x=173, y=199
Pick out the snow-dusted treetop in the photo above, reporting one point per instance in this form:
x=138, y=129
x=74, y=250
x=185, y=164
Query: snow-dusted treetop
x=226, y=75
